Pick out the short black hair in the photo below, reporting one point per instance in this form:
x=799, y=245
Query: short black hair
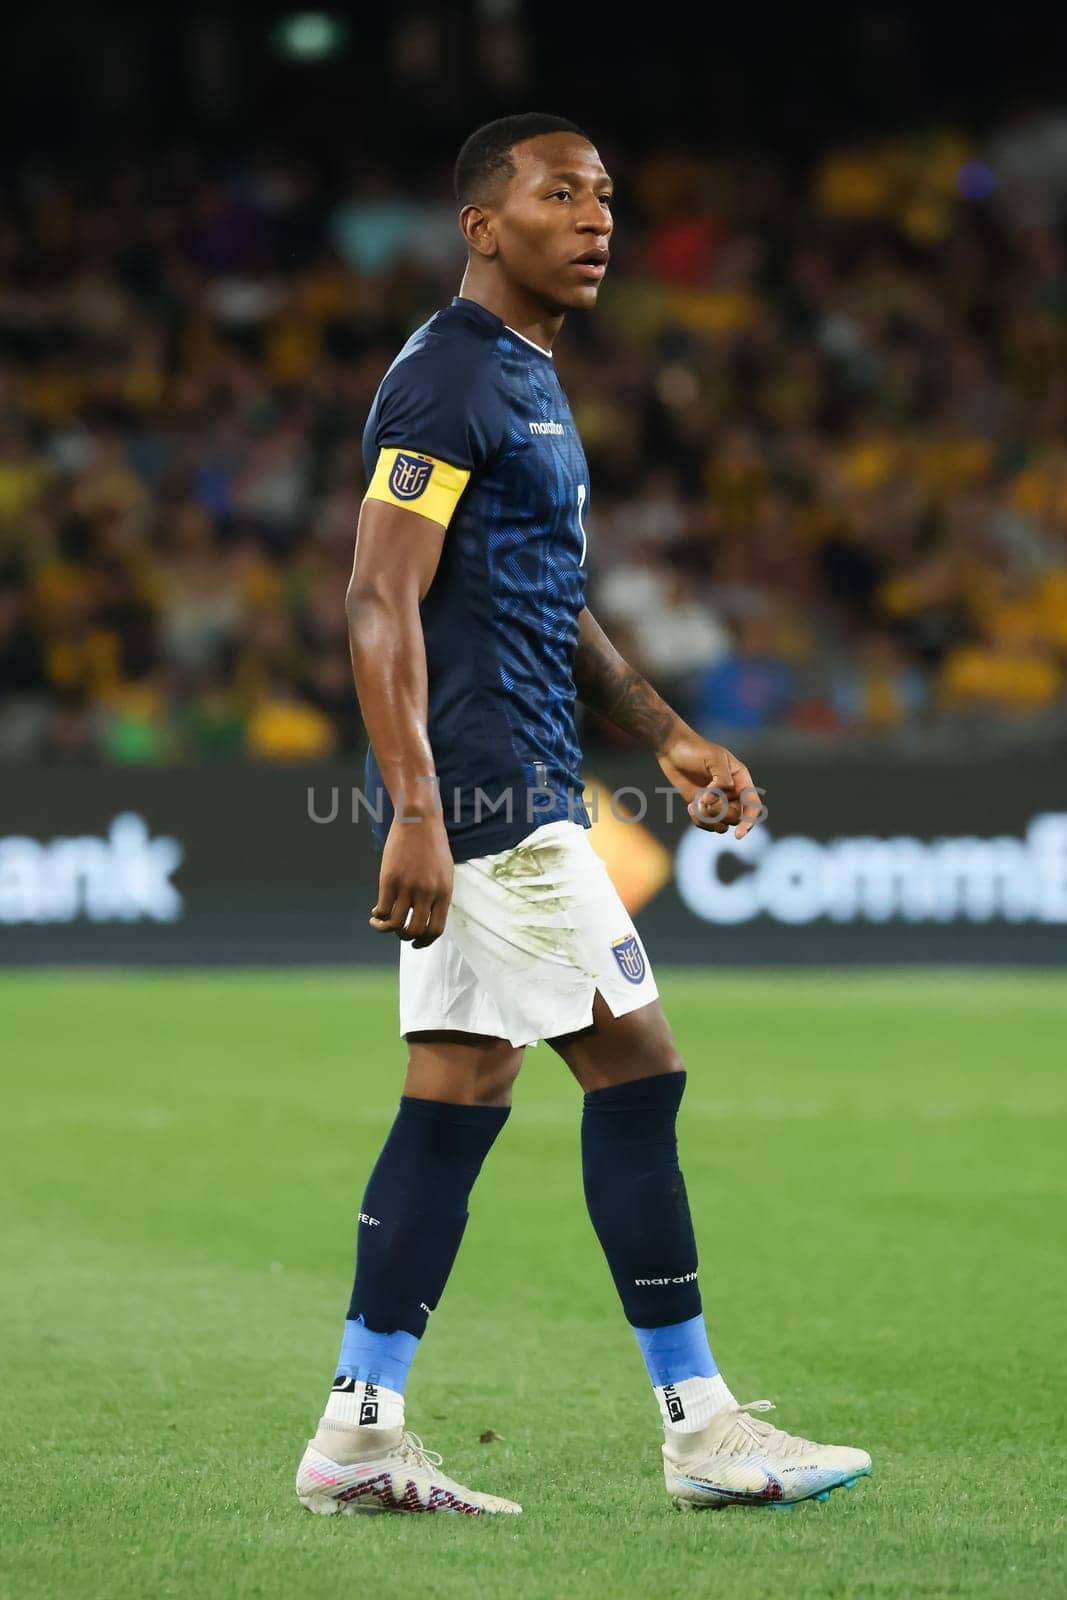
x=485, y=158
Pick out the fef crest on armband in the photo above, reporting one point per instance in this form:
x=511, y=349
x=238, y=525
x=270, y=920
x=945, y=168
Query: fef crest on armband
x=410, y=476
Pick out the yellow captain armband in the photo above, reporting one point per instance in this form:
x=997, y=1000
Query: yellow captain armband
x=419, y=482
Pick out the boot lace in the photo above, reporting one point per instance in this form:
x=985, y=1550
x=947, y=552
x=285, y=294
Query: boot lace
x=412, y=1449
x=767, y=1435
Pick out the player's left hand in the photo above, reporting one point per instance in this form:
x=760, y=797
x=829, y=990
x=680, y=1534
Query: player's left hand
x=717, y=786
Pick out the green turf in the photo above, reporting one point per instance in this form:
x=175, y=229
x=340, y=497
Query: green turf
x=875, y=1165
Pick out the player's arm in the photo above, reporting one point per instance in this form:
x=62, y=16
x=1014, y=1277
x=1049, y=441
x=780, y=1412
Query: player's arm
x=397, y=553
x=613, y=689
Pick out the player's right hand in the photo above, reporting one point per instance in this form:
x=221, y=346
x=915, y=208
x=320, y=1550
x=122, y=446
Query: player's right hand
x=415, y=882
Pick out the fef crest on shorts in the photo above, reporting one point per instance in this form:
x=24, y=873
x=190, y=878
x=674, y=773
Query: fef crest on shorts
x=630, y=957
x=409, y=476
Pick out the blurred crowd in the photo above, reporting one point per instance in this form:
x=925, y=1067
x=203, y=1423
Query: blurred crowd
x=826, y=422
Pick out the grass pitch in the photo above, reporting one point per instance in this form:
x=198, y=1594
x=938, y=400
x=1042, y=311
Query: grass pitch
x=875, y=1166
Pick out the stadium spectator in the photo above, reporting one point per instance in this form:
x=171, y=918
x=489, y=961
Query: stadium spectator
x=824, y=429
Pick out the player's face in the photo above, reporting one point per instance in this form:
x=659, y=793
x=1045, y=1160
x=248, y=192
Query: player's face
x=553, y=227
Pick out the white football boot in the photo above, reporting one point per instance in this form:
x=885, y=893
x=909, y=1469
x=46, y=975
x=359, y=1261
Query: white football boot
x=737, y=1460
x=348, y=1469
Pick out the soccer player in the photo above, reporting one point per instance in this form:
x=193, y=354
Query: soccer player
x=470, y=642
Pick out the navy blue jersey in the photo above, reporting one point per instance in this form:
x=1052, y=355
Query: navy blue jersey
x=471, y=427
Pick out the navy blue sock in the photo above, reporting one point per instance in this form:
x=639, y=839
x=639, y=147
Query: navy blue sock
x=637, y=1201
x=414, y=1213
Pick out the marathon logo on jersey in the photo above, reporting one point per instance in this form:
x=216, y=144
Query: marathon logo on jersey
x=675, y=1409
x=630, y=957
x=410, y=476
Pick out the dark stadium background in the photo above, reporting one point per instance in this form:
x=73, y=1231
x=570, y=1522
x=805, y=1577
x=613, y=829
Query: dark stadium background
x=775, y=78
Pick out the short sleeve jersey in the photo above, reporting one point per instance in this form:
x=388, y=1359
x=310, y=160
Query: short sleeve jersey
x=471, y=427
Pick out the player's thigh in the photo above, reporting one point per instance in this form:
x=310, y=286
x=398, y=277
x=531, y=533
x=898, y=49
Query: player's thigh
x=619, y=1049
x=463, y=1069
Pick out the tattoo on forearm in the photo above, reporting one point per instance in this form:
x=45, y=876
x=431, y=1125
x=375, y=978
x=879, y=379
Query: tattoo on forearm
x=606, y=684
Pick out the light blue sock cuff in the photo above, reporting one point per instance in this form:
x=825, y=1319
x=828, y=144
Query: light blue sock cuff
x=677, y=1352
x=382, y=1358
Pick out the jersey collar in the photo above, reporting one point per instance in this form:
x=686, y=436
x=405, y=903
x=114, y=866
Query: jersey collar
x=480, y=313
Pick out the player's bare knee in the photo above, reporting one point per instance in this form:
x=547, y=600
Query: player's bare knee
x=654, y=1061
x=494, y=1081
x=656, y=1044
x=670, y=1059
x=461, y=1068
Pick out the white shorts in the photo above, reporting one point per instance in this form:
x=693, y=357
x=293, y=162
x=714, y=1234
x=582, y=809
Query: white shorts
x=532, y=933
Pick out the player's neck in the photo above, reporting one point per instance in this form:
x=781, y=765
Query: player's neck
x=520, y=313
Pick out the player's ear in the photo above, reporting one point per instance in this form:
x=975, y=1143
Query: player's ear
x=477, y=228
